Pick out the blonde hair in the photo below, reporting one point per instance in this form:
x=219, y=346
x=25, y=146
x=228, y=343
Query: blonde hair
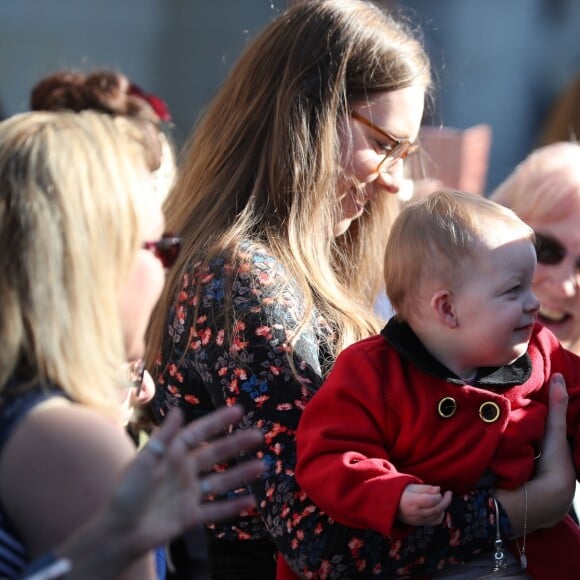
x=264, y=162
x=433, y=239
x=540, y=186
x=70, y=231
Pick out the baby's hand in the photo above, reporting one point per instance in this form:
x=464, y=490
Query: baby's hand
x=423, y=505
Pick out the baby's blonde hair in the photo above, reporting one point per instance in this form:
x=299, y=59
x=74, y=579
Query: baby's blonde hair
x=69, y=227
x=433, y=239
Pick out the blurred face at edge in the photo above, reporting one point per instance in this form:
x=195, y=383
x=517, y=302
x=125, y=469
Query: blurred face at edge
x=144, y=284
x=556, y=283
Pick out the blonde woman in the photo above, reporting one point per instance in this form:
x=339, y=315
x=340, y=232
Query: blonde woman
x=82, y=232
x=110, y=92
x=284, y=202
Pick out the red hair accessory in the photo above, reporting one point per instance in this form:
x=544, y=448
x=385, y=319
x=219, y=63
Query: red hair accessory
x=158, y=105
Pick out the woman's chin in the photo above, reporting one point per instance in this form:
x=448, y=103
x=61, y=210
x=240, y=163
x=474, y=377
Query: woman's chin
x=559, y=327
x=341, y=227
x=566, y=331
x=135, y=350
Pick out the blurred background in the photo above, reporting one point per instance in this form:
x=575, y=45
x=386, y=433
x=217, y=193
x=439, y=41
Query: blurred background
x=499, y=63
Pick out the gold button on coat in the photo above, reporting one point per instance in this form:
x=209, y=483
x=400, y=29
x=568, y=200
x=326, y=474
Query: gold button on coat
x=489, y=412
x=447, y=407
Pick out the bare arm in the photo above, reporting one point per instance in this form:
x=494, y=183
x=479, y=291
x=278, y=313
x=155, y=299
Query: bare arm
x=160, y=495
x=59, y=468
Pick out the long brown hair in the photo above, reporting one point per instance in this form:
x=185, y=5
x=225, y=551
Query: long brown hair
x=264, y=162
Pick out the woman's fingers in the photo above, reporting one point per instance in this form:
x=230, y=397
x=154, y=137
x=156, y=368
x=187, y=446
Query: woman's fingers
x=171, y=441
x=162, y=437
x=555, y=470
x=223, y=510
x=170, y=426
x=558, y=405
x=219, y=482
x=555, y=447
x=194, y=444
x=227, y=447
x=210, y=425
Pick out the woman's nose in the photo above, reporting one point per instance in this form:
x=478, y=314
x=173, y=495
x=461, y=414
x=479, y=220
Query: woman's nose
x=392, y=180
x=566, y=279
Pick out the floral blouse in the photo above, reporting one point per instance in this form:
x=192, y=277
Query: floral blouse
x=204, y=365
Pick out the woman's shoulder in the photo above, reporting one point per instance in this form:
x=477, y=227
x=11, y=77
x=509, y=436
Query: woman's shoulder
x=249, y=269
x=64, y=427
x=248, y=258
x=60, y=430
x=248, y=284
x=61, y=461
x=17, y=400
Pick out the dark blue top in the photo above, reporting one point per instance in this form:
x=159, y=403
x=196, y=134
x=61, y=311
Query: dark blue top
x=13, y=408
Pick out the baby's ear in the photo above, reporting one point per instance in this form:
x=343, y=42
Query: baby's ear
x=443, y=306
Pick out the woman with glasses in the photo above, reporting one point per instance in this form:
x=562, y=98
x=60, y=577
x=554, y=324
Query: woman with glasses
x=284, y=200
x=83, y=263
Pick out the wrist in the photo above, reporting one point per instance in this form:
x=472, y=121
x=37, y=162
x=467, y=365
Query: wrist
x=123, y=544
x=117, y=548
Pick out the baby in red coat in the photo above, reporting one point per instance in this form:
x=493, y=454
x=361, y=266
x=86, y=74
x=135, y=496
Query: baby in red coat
x=453, y=394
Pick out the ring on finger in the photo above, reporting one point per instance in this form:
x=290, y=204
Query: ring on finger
x=190, y=440
x=156, y=447
x=205, y=486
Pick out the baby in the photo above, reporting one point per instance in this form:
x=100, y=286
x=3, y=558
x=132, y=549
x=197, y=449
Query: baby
x=453, y=394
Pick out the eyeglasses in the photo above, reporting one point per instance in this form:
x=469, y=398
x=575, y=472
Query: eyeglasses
x=166, y=249
x=550, y=251
x=136, y=374
x=399, y=149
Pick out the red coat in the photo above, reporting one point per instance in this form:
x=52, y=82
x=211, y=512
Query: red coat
x=389, y=415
